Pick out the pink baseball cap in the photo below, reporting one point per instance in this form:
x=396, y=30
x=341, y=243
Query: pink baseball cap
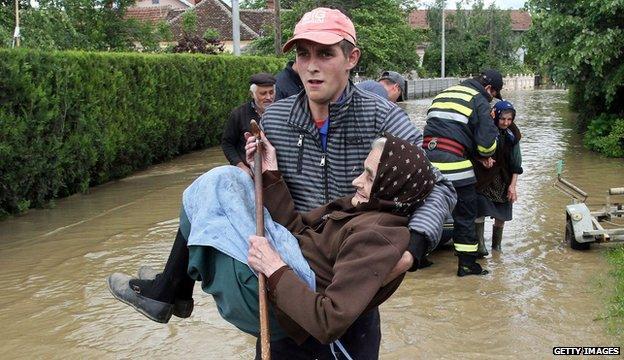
x=324, y=26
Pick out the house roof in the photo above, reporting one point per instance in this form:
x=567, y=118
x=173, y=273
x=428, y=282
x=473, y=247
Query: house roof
x=520, y=20
x=259, y=20
x=217, y=15
x=152, y=14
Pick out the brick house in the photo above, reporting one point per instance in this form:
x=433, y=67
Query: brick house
x=211, y=14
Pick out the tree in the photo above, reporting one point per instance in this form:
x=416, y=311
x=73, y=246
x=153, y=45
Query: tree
x=580, y=43
x=475, y=39
x=209, y=43
x=75, y=24
x=386, y=39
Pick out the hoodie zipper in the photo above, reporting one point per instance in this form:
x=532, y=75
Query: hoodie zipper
x=323, y=164
x=300, y=157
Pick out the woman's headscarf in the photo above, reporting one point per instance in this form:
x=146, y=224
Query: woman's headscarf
x=501, y=106
x=404, y=177
x=512, y=131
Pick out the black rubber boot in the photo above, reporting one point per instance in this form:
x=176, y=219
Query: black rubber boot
x=481, y=250
x=119, y=286
x=468, y=265
x=497, y=237
x=181, y=308
x=173, y=285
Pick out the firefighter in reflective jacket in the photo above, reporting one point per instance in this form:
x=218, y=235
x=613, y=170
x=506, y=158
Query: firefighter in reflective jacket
x=459, y=128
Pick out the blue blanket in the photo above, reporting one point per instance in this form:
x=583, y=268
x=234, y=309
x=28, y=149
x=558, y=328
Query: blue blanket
x=220, y=207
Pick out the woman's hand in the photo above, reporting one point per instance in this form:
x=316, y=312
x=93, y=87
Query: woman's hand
x=512, y=196
x=262, y=257
x=269, y=155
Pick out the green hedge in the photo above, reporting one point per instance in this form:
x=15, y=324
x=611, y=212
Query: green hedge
x=69, y=120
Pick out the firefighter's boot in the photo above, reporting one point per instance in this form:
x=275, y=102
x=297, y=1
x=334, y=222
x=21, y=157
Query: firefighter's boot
x=468, y=265
x=481, y=250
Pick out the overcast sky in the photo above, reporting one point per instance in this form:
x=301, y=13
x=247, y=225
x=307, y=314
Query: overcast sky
x=502, y=4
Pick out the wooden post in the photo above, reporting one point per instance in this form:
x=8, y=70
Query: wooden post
x=265, y=342
x=16, y=34
x=278, y=29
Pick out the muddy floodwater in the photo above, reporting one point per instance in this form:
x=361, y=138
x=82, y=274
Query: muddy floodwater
x=55, y=303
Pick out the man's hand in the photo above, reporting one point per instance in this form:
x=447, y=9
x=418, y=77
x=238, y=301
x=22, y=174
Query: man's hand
x=405, y=263
x=487, y=163
x=262, y=257
x=269, y=155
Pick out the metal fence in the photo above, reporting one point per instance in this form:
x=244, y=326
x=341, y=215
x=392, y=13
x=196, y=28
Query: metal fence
x=424, y=88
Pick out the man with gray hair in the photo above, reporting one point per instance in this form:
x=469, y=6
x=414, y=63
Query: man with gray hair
x=262, y=91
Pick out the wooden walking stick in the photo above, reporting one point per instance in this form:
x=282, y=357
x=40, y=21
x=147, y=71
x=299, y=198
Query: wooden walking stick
x=265, y=344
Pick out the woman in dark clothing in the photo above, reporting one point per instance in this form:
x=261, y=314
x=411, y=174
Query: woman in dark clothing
x=496, y=187
x=351, y=244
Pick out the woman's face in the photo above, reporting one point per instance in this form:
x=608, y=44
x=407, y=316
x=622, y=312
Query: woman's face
x=505, y=120
x=364, y=183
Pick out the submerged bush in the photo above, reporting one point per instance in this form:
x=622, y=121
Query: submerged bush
x=605, y=134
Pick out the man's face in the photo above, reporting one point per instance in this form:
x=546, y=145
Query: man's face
x=491, y=91
x=263, y=96
x=364, y=183
x=324, y=70
x=393, y=89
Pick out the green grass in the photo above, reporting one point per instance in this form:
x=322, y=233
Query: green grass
x=615, y=304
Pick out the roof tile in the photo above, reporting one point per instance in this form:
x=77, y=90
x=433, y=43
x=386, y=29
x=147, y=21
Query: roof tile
x=216, y=15
x=520, y=20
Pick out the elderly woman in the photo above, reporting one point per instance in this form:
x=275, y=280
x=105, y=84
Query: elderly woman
x=347, y=247
x=496, y=187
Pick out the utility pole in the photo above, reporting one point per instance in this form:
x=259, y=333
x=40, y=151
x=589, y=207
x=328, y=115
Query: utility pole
x=443, y=45
x=16, y=33
x=278, y=29
x=235, y=27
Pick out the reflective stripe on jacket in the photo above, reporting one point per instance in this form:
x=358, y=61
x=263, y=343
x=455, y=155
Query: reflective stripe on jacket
x=461, y=113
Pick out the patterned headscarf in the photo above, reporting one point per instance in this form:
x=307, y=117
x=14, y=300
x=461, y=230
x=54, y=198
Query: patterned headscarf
x=404, y=177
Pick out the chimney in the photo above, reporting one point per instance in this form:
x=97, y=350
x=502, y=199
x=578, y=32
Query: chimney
x=270, y=5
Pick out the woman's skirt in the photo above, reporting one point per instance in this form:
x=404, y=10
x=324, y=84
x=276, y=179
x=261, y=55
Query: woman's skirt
x=498, y=210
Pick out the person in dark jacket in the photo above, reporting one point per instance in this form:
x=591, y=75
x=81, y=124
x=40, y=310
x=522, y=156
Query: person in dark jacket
x=367, y=230
x=496, y=187
x=262, y=92
x=287, y=82
x=459, y=128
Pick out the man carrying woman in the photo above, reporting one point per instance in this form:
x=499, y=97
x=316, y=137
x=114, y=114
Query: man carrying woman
x=325, y=267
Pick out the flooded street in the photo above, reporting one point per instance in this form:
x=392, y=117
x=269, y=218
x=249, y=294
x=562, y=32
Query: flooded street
x=540, y=293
